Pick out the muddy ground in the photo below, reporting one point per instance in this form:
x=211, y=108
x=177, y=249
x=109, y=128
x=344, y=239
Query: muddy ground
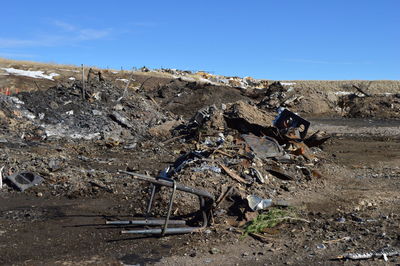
x=353, y=207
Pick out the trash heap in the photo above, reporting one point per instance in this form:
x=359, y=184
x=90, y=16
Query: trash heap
x=100, y=110
x=70, y=126
x=205, y=77
x=246, y=157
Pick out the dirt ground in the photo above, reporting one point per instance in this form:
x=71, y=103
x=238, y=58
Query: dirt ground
x=79, y=138
x=353, y=207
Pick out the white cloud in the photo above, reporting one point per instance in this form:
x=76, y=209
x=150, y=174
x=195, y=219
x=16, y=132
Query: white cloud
x=17, y=55
x=67, y=34
x=91, y=34
x=64, y=25
x=83, y=34
x=9, y=42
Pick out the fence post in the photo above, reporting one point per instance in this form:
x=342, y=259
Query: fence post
x=83, y=82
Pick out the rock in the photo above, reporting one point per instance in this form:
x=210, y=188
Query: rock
x=214, y=251
x=118, y=107
x=217, y=121
x=341, y=220
x=123, y=121
x=164, y=130
x=229, y=138
x=54, y=165
x=251, y=114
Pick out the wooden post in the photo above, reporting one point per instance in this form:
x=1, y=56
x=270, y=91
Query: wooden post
x=126, y=87
x=37, y=86
x=360, y=90
x=83, y=82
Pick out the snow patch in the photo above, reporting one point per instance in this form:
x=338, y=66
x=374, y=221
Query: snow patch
x=288, y=83
x=29, y=73
x=71, y=78
x=341, y=93
x=59, y=131
x=123, y=80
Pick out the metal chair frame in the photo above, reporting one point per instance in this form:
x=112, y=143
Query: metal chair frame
x=165, y=223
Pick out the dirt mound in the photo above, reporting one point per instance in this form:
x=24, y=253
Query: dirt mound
x=304, y=101
x=374, y=106
x=99, y=111
x=184, y=98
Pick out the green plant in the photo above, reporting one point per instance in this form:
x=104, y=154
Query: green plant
x=269, y=219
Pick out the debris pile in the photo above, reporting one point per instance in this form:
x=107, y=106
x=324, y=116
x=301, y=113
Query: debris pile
x=206, y=77
x=377, y=106
x=98, y=111
x=246, y=157
x=67, y=134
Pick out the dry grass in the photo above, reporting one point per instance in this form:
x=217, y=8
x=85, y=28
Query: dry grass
x=30, y=64
x=49, y=66
x=372, y=86
x=65, y=68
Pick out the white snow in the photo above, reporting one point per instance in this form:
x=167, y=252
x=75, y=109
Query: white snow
x=288, y=83
x=29, y=73
x=123, y=80
x=71, y=78
x=340, y=93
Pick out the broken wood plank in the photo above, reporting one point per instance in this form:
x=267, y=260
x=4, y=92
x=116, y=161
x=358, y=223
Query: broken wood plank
x=360, y=90
x=232, y=174
x=223, y=153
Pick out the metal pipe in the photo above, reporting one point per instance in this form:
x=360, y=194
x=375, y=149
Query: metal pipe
x=168, y=183
x=182, y=230
x=147, y=222
x=203, y=212
x=171, y=201
x=153, y=192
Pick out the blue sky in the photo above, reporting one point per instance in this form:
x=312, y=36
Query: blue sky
x=287, y=39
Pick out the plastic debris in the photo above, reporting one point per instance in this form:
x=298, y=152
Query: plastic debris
x=25, y=180
x=256, y=203
x=264, y=147
x=206, y=167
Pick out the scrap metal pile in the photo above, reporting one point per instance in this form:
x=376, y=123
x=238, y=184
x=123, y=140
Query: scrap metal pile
x=246, y=157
